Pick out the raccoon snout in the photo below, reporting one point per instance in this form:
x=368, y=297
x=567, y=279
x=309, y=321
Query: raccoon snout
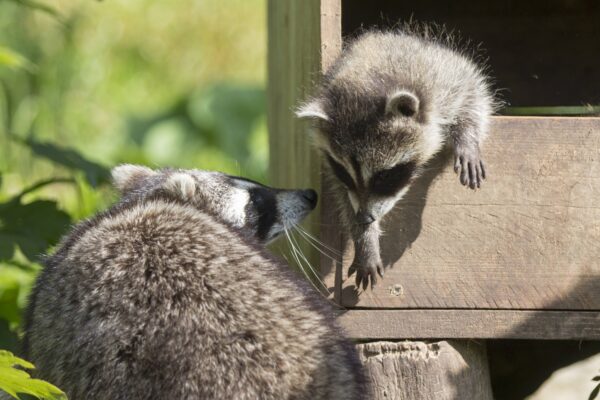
x=364, y=218
x=311, y=197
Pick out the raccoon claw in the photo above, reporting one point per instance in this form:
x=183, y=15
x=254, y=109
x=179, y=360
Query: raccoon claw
x=364, y=274
x=469, y=167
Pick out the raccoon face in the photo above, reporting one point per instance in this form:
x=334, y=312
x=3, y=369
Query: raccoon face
x=375, y=146
x=372, y=193
x=258, y=210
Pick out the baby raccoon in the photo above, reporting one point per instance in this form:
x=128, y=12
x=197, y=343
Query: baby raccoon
x=170, y=295
x=389, y=103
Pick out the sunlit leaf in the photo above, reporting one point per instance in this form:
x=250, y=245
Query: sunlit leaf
x=12, y=59
x=95, y=173
x=14, y=381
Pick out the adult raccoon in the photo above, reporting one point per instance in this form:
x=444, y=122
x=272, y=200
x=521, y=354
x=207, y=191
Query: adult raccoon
x=170, y=295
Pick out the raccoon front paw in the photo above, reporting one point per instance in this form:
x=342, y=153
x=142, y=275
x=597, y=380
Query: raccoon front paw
x=366, y=271
x=469, y=166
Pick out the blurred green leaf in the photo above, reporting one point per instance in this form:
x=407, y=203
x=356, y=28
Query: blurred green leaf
x=9, y=339
x=33, y=227
x=14, y=60
x=15, y=284
x=227, y=114
x=35, y=5
x=14, y=381
x=95, y=173
x=164, y=141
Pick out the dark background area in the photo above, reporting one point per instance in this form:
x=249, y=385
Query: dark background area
x=542, y=53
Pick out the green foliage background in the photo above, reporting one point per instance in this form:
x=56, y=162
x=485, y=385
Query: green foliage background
x=85, y=85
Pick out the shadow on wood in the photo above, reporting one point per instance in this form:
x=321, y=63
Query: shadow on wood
x=519, y=367
x=405, y=220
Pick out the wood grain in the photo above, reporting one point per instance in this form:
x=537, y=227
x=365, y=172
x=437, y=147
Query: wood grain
x=528, y=239
x=304, y=39
x=294, y=63
x=330, y=234
x=470, y=324
x=445, y=370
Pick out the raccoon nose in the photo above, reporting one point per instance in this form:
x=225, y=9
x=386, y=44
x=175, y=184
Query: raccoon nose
x=310, y=196
x=364, y=218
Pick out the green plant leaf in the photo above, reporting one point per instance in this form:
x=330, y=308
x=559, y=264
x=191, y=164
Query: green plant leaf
x=34, y=5
x=226, y=115
x=14, y=381
x=33, y=227
x=95, y=173
x=14, y=60
x=596, y=378
x=15, y=284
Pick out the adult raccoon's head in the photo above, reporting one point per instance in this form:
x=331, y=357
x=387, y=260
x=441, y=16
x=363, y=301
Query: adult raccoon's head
x=258, y=210
x=374, y=140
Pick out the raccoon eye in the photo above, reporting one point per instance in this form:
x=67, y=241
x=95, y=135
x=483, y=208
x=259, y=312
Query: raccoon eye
x=341, y=173
x=388, y=182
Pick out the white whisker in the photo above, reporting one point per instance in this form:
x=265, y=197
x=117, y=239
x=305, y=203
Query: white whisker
x=316, y=241
x=296, y=254
x=299, y=252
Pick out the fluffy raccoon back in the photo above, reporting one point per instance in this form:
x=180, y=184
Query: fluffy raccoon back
x=159, y=300
x=444, y=77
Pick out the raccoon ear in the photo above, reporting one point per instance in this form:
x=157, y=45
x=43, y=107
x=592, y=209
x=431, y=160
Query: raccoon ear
x=182, y=185
x=126, y=176
x=312, y=110
x=402, y=104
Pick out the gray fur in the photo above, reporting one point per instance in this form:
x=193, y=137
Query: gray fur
x=395, y=99
x=169, y=295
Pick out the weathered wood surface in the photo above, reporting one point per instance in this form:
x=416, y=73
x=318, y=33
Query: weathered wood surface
x=528, y=239
x=426, y=371
x=330, y=234
x=294, y=63
x=304, y=39
x=475, y=324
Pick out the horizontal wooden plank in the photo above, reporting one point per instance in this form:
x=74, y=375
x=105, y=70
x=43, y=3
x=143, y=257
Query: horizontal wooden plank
x=470, y=324
x=528, y=239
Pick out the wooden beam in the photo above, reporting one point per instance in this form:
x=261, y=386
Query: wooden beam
x=444, y=370
x=294, y=61
x=304, y=39
x=528, y=239
x=470, y=324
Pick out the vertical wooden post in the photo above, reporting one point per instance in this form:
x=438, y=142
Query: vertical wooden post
x=304, y=39
x=445, y=370
x=293, y=65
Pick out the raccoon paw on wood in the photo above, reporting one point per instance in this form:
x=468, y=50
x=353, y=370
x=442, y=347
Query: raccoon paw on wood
x=366, y=270
x=469, y=166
